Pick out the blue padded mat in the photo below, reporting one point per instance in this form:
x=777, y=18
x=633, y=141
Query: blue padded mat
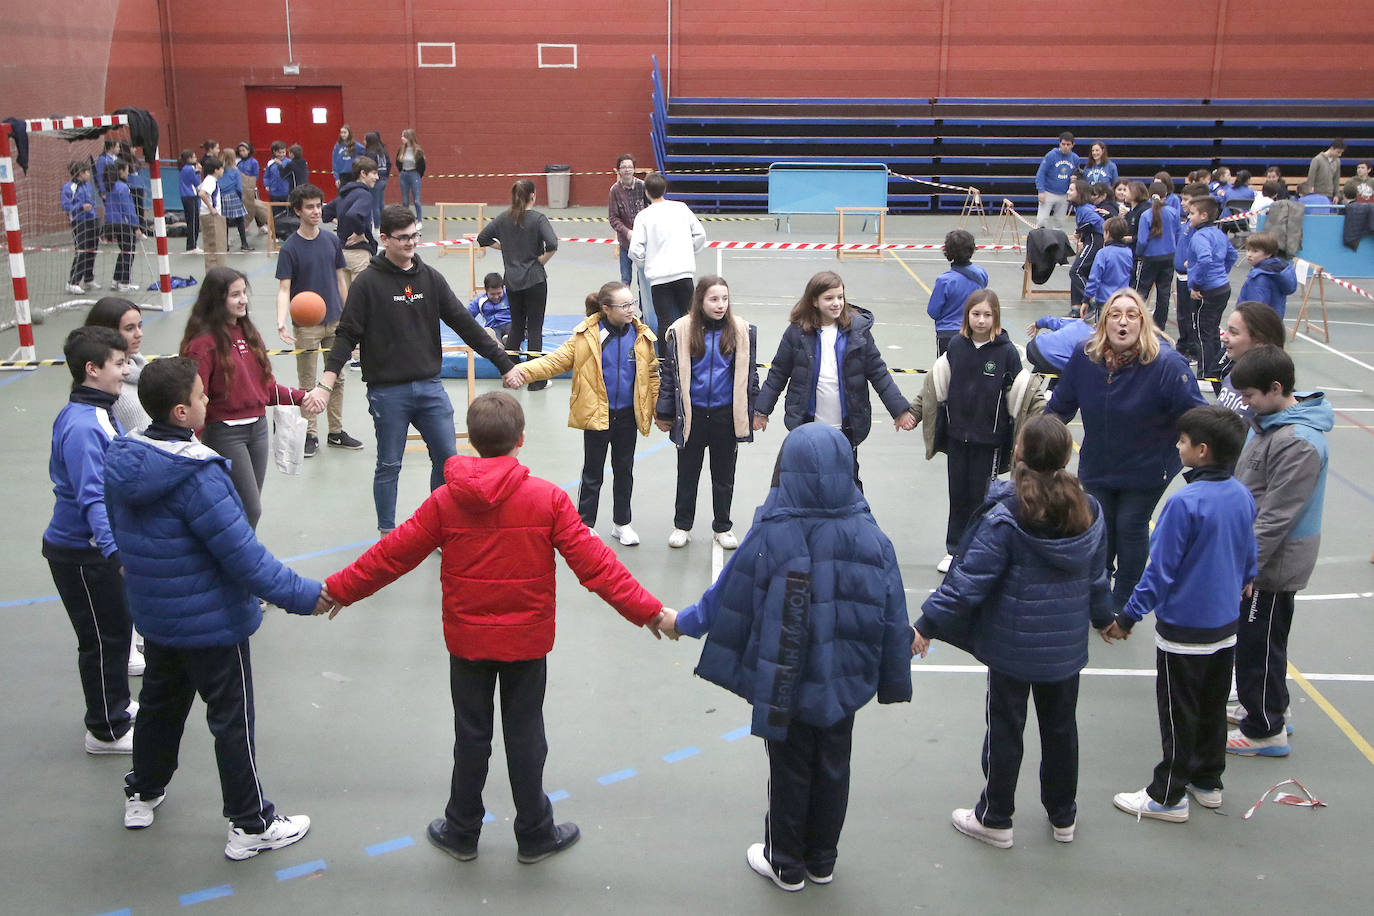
x=557, y=329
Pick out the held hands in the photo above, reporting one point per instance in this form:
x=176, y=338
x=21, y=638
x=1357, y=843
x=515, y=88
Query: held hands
x=1249, y=590
x=1112, y=632
x=314, y=402
x=919, y=644
x=760, y=422
x=906, y=422
x=664, y=425
x=515, y=378
x=665, y=624
x=326, y=604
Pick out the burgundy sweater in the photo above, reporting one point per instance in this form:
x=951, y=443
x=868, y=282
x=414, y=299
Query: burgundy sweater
x=248, y=392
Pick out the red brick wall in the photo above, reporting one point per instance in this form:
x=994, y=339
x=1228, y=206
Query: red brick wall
x=496, y=111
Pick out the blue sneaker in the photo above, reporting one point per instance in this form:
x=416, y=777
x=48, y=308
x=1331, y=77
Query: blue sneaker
x=1273, y=746
x=1142, y=805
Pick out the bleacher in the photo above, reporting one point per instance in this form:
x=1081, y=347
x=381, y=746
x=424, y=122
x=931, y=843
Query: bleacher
x=716, y=152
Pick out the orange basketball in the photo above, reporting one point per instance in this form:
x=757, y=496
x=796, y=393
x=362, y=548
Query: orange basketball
x=307, y=309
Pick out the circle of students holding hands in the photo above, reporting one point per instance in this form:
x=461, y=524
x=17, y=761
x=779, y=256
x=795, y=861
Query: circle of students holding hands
x=154, y=524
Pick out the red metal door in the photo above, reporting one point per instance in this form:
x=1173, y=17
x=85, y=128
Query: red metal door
x=308, y=115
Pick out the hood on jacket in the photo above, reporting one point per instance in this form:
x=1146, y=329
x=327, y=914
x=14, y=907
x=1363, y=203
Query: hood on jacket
x=1067, y=554
x=145, y=470
x=350, y=186
x=1312, y=410
x=1274, y=265
x=861, y=320
x=483, y=484
x=814, y=476
x=381, y=262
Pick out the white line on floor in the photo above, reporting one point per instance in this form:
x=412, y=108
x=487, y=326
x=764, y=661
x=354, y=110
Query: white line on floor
x=1117, y=672
x=1331, y=349
x=717, y=559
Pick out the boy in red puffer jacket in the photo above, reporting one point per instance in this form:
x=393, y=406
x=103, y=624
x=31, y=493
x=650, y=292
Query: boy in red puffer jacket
x=498, y=585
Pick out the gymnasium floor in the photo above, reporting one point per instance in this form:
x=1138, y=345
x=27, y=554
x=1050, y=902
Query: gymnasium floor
x=354, y=723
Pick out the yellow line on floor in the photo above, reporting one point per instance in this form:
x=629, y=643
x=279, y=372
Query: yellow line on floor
x=907, y=269
x=1341, y=721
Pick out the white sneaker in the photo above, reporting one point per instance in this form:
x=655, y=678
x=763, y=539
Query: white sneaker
x=137, y=664
x=1064, y=834
x=90, y=285
x=1141, y=805
x=943, y=565
x=967, y=823
x=283, y=831
x=1207, y=798
x=126, y=287
x=625, y=534
x=761, y=866
x=138, y=812
x=727, y=540
x=679, y=538
x=75, y=289
x=123, y=745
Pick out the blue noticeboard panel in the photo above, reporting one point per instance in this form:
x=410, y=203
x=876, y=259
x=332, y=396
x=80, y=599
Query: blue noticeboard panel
x=820, y=187
x=1321, y=244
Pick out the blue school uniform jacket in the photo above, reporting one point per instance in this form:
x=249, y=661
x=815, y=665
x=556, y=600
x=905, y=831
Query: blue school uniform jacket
x=1111, y=271
x=1271, y=281
x=1167, y=243
x=952, y=289
x=1087, y=219
x=807, y=621
x=1202, y=553
x=1210, y=258
x=193, y=567
x=74, y=197
x=119, y=205
x=1066, y=335
x=81, y=435
x=1022, y=603
x=274, y=178
x=188, y=180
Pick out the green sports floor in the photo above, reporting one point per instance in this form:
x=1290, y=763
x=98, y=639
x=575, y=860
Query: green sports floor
x=655, y=765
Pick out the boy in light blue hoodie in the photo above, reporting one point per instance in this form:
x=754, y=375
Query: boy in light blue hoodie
x=1271, y=279
x=953, y=287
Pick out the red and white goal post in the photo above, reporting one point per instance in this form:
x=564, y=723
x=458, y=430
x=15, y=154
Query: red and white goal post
x=19, y=279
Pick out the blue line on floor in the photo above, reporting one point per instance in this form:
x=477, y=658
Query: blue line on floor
x=683, y=754
x=401, y=842
x=638, y=455
x=328, y=550
x=305, y=868
x=124, y=912
x=1351, y=484
x=558, y=795
x=210, y=893
x=488, y=818
x=40, y=600
x=737, y=734
x=615, y=777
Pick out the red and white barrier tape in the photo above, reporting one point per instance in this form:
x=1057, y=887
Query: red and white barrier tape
x=72, y=123
x=936, y=184
x=1347, y=284
x=1306, y=800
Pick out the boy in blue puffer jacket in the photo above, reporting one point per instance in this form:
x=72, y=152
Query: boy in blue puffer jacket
x=807, y=622
x=193, y=568
x=1202, y=558
x=1271, y=279
x=1031, y=577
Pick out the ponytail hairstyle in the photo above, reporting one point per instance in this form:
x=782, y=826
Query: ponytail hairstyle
x=521, y=195
x=601, y=298
x=696, y=333
x=1048, y=497
x=210, y=315
x=1158, y=191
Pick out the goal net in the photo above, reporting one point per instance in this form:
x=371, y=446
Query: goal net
x=53, y=266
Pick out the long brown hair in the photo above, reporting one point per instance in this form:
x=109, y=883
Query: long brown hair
x=210, y=315
x=807, y=312
x=1048, y=497
x=696, y=334
x=1158, y=191
x=521, y=193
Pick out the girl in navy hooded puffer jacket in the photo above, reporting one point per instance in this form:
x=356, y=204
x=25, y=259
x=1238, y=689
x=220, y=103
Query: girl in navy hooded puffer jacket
x=1031, y=576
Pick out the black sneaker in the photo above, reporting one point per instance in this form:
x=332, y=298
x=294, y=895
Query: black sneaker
x=312, y=445
x=539, y=385
x=342, y=439
x=441, y=834
x=564, y=835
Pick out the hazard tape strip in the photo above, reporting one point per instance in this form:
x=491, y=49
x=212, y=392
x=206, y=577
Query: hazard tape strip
x=936, y=184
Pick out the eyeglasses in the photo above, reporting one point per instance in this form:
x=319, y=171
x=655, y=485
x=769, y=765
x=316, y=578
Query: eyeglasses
x=405, y=239
x=624, y=306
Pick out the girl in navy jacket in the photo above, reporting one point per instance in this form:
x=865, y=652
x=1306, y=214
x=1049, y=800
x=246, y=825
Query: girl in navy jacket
x=188, y=181
x=707, y=385
x=826, y=360
x=1030, y=578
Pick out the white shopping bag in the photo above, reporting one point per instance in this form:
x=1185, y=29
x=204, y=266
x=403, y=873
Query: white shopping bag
x=288, y=439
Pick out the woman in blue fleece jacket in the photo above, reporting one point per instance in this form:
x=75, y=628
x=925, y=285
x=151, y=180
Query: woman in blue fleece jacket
x=1030, y=578
x=1130, y=389
x=807, y=622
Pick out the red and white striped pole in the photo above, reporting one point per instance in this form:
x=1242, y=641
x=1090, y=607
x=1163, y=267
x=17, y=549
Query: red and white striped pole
x=164, y=263
x=15, y=240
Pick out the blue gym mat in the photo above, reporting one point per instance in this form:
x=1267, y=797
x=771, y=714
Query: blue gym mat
x=557, y=329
